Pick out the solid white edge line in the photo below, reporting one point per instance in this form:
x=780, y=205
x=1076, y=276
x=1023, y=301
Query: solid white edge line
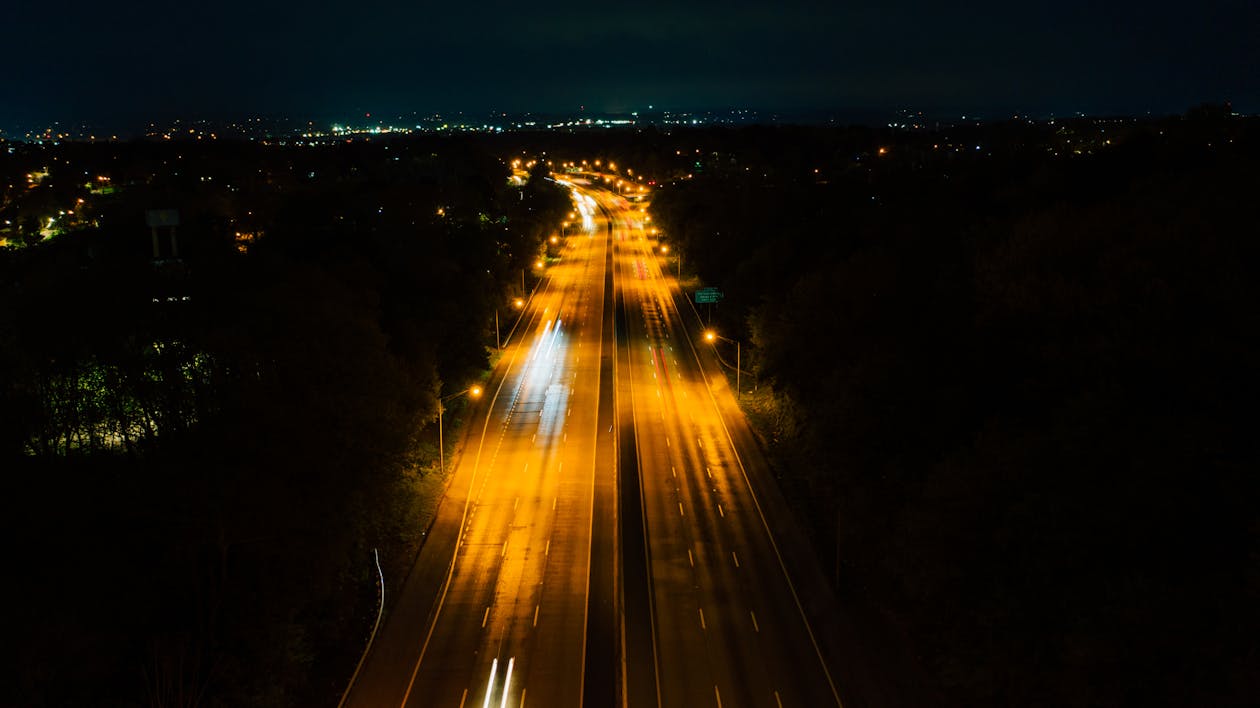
x=380, y=610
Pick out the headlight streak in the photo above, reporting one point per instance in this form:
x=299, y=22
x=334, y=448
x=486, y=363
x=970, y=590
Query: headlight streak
x=507, y=681
x=494, y=665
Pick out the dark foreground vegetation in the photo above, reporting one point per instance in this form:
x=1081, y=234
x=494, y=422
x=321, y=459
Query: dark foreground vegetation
x=1009, y=375
x=200, y=453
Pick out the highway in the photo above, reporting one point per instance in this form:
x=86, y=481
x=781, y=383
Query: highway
x=600, y=543
x=509, y=625
x=728, y=628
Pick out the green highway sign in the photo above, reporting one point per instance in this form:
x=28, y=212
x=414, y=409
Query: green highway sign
x=704, y=295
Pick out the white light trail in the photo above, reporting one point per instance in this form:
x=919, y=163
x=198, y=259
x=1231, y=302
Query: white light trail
x=494, y=666
x=507, y=680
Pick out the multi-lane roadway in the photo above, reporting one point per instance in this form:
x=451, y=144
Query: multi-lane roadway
x=600, y=543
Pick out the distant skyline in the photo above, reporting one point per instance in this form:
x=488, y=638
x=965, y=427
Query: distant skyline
x=125, y=64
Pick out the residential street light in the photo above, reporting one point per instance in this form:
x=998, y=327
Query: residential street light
x=473, y=392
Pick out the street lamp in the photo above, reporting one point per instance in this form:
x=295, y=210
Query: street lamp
x=711, y=337
x=665, y=252
x=517, y=303
x=473, y=392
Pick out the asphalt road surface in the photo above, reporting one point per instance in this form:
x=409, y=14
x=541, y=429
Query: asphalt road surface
x=600, y=543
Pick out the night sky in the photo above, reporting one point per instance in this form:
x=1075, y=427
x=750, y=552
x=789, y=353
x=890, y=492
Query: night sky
x=133, y=61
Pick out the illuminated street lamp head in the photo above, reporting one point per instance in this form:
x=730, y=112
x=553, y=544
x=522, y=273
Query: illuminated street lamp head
x=710, y=335
x=538, y=264
x=555, y=239
x=518, y=303
x=475, y=391
x=664, y=248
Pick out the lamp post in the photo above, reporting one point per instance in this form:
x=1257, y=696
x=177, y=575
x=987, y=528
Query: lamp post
x=474, y=392
x=518, y=304
x=677, y=257
x=711, y=337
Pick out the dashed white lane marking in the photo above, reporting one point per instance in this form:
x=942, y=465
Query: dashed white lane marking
x=485, y=617
x=777, y=702
x=516, y=503
x=722, y=513
x=680, y=510
x=463, y=698
x=547, y=551
x=673, y=471
x=536, y=616
x=667, y=441
x=718, y=695
x=756, y=627
x=707, y=473
x=690, y=558
x=702, y=625
x=735, y=558
x=503, y=554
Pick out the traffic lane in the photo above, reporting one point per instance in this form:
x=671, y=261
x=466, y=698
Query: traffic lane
x=685, y=678
x=795, y=665
x=566, y=433
x=778, y=611
x=515, y=589
x=389, y=666
x=553, y=674
x=635, y=252
x=547, y=659
x=708, y=647
x=481, y=604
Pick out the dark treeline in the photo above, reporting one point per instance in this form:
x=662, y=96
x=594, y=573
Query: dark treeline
x=1008, y=375
x=200, y=453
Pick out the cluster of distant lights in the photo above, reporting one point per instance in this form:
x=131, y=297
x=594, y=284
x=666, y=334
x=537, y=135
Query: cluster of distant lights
x=342, y=131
